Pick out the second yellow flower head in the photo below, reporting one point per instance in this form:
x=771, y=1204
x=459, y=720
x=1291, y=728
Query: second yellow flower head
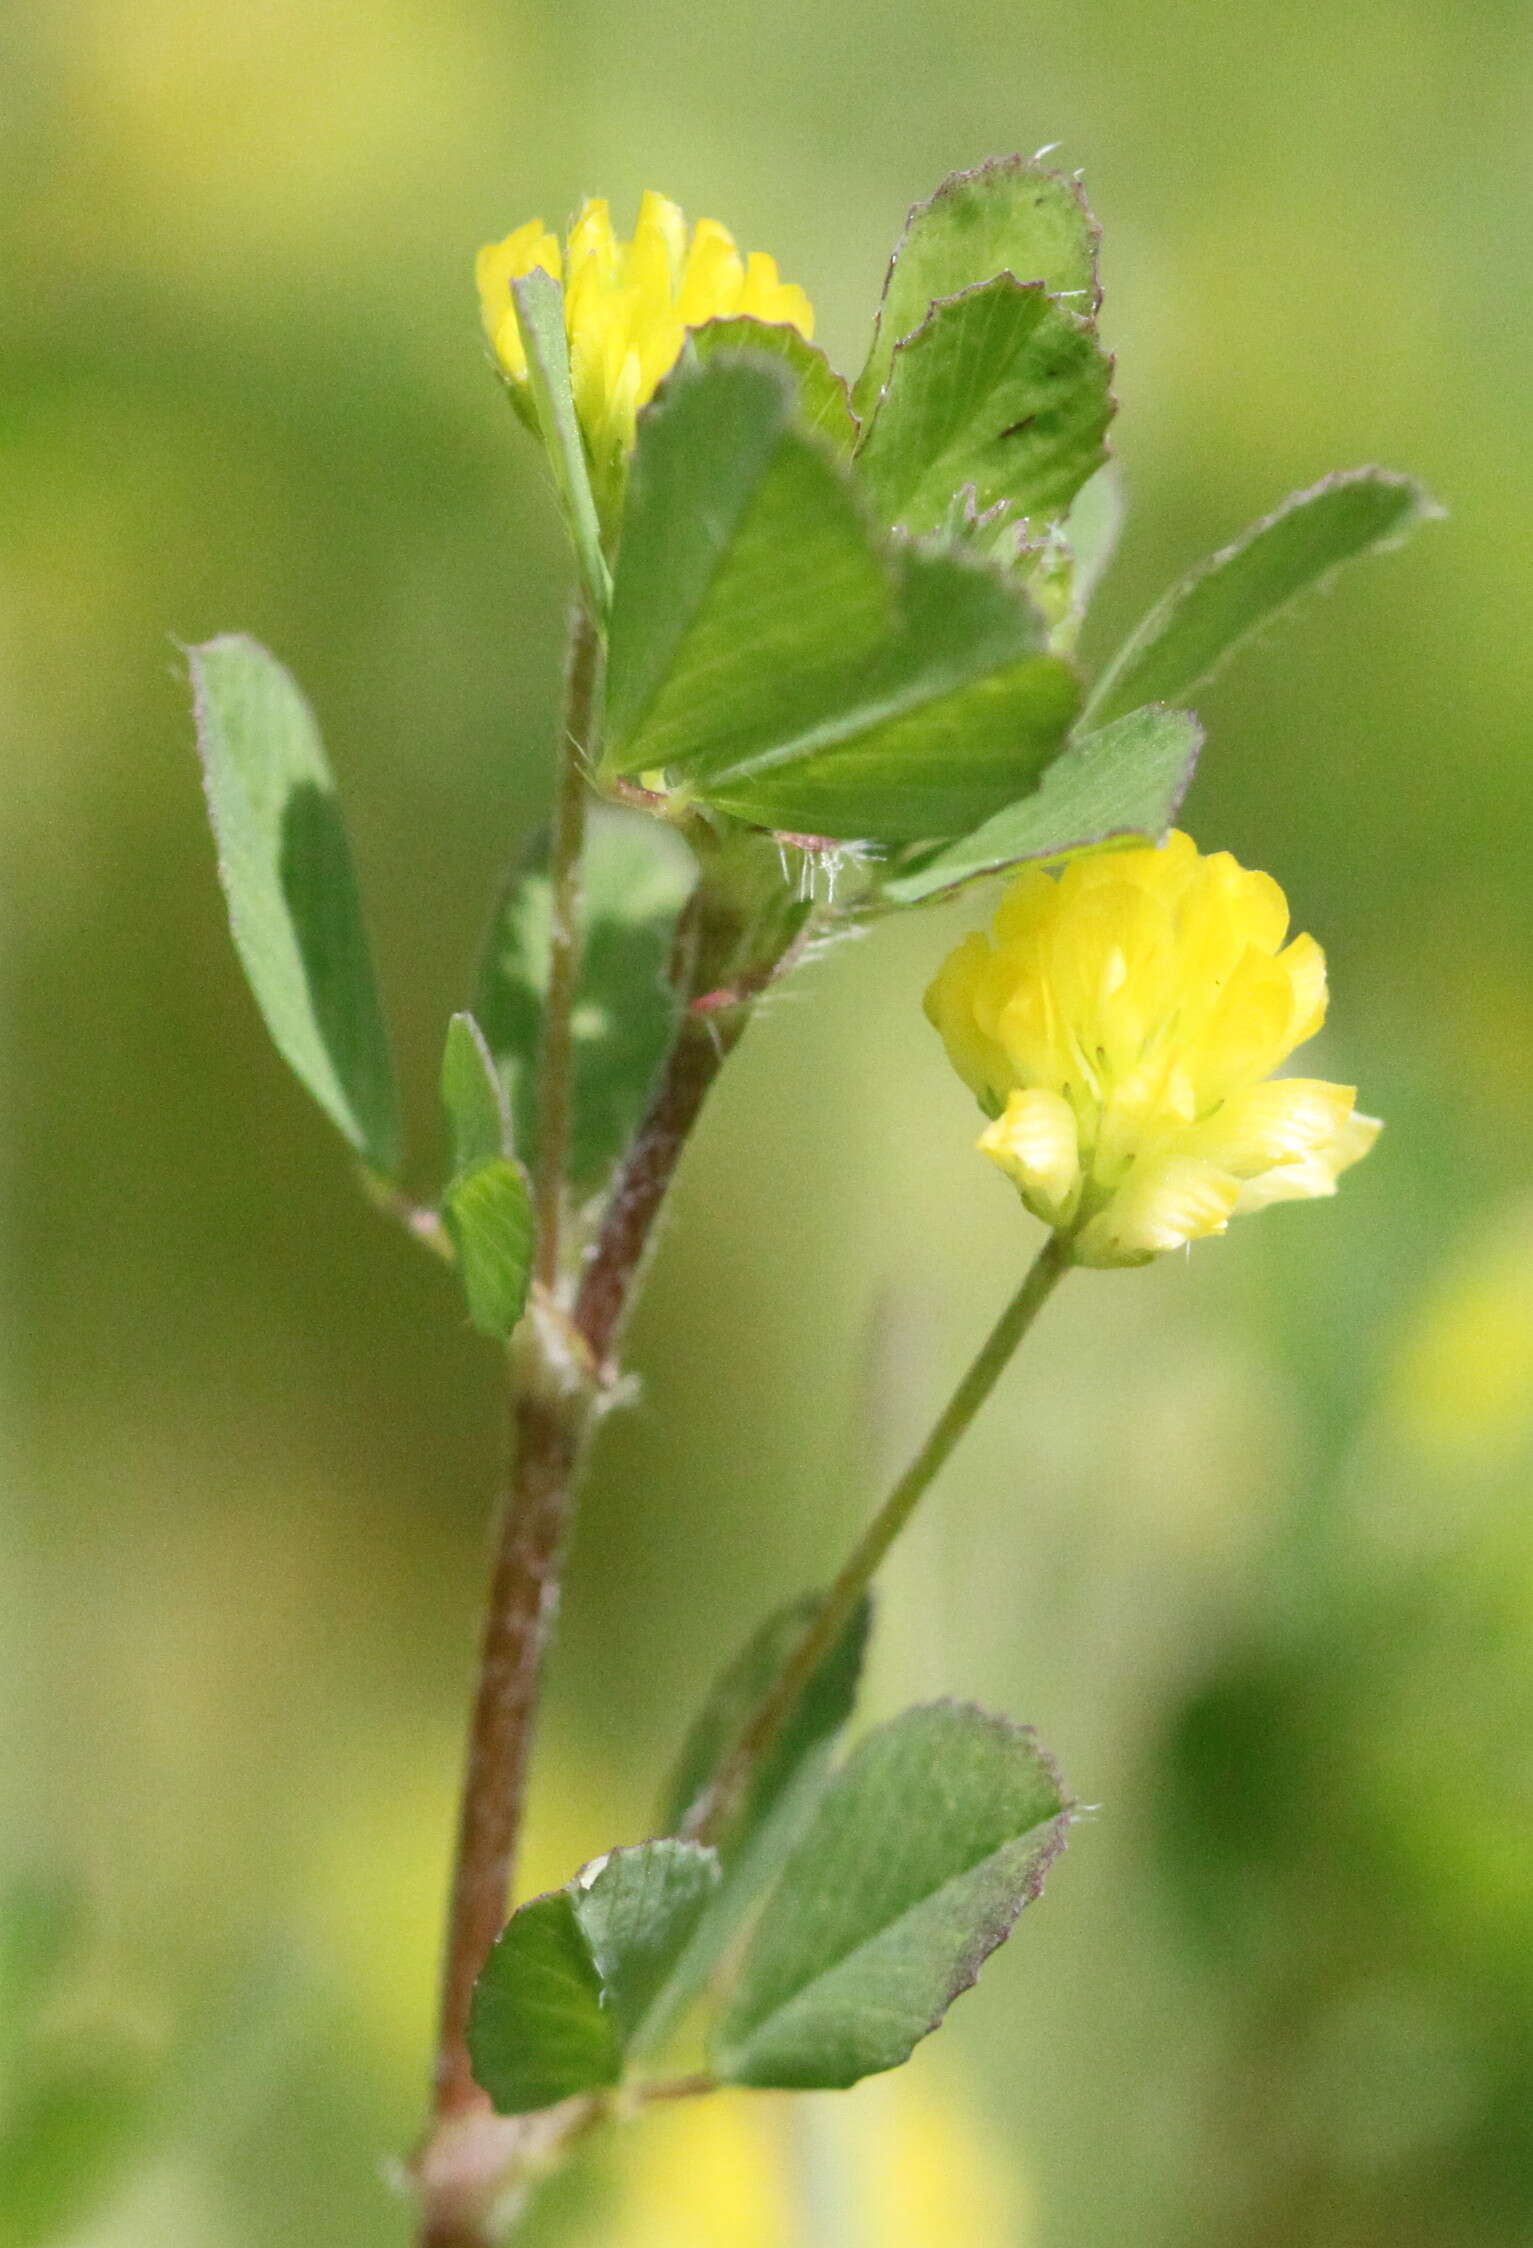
x=628, y=306
x=1119, y=1025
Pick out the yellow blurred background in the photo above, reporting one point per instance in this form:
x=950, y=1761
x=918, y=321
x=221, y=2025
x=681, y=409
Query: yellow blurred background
x=1248, y=1536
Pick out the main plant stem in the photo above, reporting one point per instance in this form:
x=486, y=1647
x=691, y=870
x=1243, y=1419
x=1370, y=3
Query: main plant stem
x=565, y=1366
x=727, y=1789
x=550, y=1413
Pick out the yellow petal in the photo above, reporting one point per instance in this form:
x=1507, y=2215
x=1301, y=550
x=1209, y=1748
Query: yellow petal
x=1280, y=1121
x=498, y=264
x=1305, y=965
x=593, y=245
x=664, y=223
x=1314, y=1175
x=1162, y=1205
x=950, y=1009
x=1036, y=1144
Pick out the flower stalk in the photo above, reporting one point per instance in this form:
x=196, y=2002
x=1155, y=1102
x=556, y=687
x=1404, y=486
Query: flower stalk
x=714, y=1810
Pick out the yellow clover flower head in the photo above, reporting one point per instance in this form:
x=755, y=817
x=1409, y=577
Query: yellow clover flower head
x=628, y=306
x=1119, y=1025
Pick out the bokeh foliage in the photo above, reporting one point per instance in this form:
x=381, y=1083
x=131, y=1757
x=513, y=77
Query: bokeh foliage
x=1273, y=1609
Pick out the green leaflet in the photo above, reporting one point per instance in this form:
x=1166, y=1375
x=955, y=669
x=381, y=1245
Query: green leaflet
x=778, y=662
x=473, y=1099
x=574, y=1974
x=287, y=875
x=824, y=401
x=1123, y=783
x=1202, y=620
x=487, y=1208
x=785, y=1788
x=636, y=874
x=1009, y=216
x=823, y=1709
x=923, y=1850
x=1001, y=389
x=537, y=2032
x=733, y=516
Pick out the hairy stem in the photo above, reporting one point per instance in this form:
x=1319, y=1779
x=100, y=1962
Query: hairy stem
x=550, y=1410
x=608, y=1285
x=565, y=1367
x=550, y=1429
x=717, y=1805
x=552, y=1424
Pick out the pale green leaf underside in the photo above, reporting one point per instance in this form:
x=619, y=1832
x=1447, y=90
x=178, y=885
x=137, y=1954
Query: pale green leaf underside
x=636, y=876
x=1000, y=389
x=780, y=664
x=287, y=875
x=923, y=1850
x=478, y=1118
x=1009, y=216
x=1092, y=529
x=1123, y=784
x=487, y=1207
x=571, y=1979
x=1220, y=604
x=539, y=301
x=488, y=1216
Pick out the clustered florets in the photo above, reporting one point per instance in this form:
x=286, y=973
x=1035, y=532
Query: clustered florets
x=1119, y=1025
x=628, y=306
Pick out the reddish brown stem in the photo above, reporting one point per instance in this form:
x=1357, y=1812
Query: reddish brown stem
x=524, y=1595
x=563, y=1375
x=617, y=1260
x=551, y=1426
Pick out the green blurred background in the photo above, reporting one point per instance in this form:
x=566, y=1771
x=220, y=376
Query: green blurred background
x=1246, y=1535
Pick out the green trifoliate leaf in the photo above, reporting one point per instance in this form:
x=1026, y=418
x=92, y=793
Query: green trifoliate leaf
x=573, y=1977
x=287, y=874
x=824, y=401
x=937, y=1831
x=636, y=875
x=1009, y=216
x=779, y=662
x=539, y=301
x=1220, y=604
x=487, y=1208
x=1122, y=784
x=1003, y=391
